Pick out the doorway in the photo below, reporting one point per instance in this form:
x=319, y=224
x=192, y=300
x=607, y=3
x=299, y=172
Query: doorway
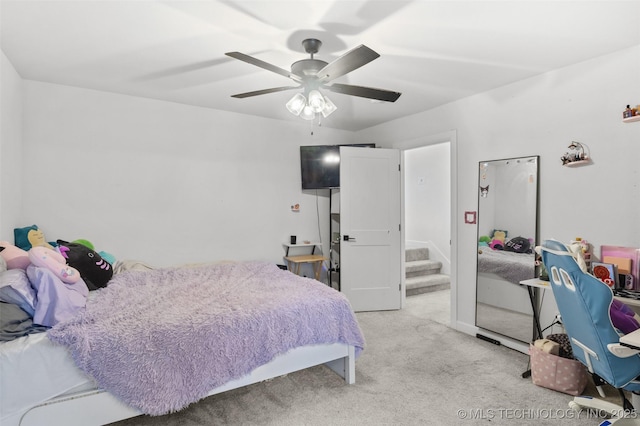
x=427, y=198
x=429, y=205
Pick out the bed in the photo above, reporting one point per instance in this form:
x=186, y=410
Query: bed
x=503, y=304
x=155, y=341
x=499, y=276
x=508, y=265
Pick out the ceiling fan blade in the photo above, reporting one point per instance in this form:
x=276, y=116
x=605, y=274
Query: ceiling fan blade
x=262, y=64
x=364, y=92
x=264, y=91
x=348, y=62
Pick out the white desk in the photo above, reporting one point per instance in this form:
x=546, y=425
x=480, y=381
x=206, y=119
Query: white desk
x=632, y=339
x=536, y=282
x=533, y=285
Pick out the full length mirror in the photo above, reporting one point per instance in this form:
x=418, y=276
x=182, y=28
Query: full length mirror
x=507, y=234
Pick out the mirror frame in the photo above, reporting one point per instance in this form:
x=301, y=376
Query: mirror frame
x=536, y=236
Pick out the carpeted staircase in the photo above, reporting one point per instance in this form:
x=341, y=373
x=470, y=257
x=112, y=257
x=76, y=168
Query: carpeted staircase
x=423, y=275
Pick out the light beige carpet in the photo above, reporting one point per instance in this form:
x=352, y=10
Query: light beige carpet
x=415, y=370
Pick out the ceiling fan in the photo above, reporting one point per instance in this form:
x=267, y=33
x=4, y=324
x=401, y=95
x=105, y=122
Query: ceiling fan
x=313, y=74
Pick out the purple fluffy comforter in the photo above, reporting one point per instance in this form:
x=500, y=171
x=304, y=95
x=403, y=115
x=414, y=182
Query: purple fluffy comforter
x=162, y=339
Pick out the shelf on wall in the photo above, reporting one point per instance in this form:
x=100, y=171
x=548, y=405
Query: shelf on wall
x=578, y=163
x=631, y=119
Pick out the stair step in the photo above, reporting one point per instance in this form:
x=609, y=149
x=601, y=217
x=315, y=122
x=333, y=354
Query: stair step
x=413, y=254
x=422, y=267
x=428, y=283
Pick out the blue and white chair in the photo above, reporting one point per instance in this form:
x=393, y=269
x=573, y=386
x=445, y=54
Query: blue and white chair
x=584, y=303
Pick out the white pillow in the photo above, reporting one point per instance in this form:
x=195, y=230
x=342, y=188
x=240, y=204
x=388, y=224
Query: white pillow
x=15, y=288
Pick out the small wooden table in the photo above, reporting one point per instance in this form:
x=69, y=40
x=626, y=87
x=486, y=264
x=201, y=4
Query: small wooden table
x=294, y=262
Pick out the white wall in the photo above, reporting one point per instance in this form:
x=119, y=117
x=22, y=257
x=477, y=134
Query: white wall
x=10, y=148
x=164, y=182
x=168, y=183
x=541, y=116
x=427, y=199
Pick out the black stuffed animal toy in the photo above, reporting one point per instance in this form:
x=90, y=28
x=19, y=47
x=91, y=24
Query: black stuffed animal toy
x=94, y=270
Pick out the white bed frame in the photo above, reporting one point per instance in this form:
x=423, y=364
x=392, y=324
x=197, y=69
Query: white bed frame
x=99, y=407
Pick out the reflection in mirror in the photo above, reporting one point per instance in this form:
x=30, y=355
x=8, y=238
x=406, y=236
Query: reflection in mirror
x=507, y=235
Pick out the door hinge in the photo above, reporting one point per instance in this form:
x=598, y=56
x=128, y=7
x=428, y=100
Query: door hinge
x=399, y=227
x=400, y=287
x=399, y=167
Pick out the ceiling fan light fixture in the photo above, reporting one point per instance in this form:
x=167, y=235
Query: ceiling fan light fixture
x=328, y=108
x=316, y=101
x=313, y=74
x=307, y=113
x=296, y=104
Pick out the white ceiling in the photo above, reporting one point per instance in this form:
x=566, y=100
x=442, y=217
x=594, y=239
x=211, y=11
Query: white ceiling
x=434, y=52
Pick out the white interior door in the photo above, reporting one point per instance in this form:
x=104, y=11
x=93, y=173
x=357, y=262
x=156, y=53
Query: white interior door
x=370, y=256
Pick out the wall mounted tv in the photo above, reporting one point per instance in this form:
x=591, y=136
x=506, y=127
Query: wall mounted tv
x=320, y=165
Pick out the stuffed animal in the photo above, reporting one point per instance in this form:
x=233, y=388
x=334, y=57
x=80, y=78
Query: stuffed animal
x=14, y=257
x=106, y=256
x=496, y=244
x=484, y=241
x=518, y=245
x=30, y=236
x=499, y=235
x=94, y=270
x=55, y=262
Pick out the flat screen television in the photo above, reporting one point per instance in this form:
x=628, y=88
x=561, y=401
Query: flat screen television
x=320, y=165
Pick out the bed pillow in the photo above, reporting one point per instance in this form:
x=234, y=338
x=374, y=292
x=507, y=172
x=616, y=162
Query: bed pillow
x=16, y=289
x=14, y=257
x=30, y=236
x=518, y=245
x=94, y=270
